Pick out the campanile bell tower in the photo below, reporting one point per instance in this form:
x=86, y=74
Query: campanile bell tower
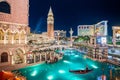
x=50, y=24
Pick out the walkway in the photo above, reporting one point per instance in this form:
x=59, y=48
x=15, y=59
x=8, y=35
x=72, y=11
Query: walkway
x=17, y=66
x=113, y=62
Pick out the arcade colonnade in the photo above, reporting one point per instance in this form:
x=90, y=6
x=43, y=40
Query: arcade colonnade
x=40, y=56
x=21, y=55
x=43, y=54
x=11, y=33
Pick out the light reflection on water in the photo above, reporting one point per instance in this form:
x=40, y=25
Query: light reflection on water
x=60, y=69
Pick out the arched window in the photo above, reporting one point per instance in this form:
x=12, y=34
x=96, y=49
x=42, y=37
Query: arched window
x=4, y=57
x=4, y=7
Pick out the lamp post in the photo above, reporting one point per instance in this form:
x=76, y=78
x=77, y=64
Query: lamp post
x=71, y=33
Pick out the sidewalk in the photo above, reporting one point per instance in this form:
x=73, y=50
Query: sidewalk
x=17, y=66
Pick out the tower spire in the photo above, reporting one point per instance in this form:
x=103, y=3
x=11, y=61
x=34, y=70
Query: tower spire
x=50, y=11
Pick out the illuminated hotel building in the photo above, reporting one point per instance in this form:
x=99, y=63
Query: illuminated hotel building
x=50, y=24
x=96, y=32
x=98, y=39
x=116, y=34
x=13, y=31
x=85, y=30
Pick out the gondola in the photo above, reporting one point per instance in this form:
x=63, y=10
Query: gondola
x=80, y=71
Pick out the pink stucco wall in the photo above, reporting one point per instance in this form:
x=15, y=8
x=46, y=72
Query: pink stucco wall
x=19, y=12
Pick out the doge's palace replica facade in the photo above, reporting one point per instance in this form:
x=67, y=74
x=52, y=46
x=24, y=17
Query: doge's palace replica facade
x=13, y=31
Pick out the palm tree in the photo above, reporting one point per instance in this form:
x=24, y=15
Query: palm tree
x=79, y=39
x=76, y=39
x=86, y=38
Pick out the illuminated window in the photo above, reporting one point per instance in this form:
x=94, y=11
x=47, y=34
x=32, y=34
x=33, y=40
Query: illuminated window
x=4, y=7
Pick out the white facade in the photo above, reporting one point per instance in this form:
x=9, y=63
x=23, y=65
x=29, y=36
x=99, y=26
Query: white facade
x=85, y=30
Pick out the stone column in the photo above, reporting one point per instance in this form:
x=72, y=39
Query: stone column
x=12, y=59
x=12, y=38
x=5, y=35
x=34, y=58
x=25, y=39
x=19, y=38
x=25, y=58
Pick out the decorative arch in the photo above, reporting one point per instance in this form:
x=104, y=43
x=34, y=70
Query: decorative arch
x=22, y=35
x=9, y=36
x=5, y=7
x=19, y=56
x=22, y=32
x=16, y=36
x=4, y=57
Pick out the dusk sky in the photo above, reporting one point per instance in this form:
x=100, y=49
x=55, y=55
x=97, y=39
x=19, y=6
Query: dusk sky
x=71, y=13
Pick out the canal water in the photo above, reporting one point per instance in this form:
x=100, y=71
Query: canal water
x=72, y=60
